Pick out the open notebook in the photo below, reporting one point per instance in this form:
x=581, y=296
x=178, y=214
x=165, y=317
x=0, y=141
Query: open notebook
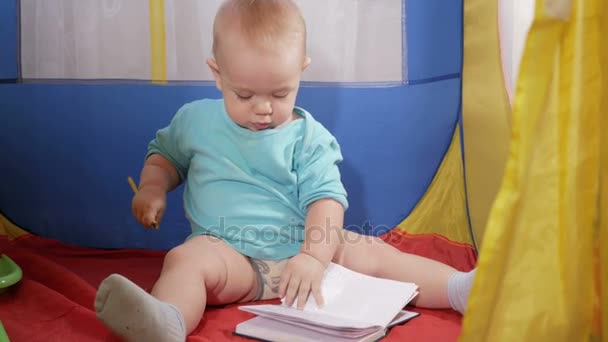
x=357, y=308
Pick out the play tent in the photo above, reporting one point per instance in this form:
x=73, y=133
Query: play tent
x=416, y=92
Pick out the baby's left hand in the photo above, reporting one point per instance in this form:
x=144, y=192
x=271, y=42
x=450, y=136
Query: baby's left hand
x=302, y=274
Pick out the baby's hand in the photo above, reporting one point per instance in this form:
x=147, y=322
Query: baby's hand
x=148, y=205
x=302, y=274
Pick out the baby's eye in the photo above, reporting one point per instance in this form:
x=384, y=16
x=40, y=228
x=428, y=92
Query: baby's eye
x=241, y=97
x=280, y=96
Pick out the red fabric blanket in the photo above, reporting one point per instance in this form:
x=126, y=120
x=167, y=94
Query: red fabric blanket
x=54, y=301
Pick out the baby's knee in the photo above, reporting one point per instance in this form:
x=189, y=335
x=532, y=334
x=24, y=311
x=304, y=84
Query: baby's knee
x=375, y=261
x=207, y=265
x=177, y=256
x=198, y=261
x=373, y=266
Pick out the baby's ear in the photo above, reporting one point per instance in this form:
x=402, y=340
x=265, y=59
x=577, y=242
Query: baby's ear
x=306, y=63
x=212, y=63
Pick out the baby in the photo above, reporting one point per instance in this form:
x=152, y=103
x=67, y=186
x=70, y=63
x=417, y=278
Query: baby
x=262, y=193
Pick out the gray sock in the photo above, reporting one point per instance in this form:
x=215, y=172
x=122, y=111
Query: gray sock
x=459, y=287
x=133, y=314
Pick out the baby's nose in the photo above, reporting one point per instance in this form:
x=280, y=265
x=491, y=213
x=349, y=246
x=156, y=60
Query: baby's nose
x=263, y=108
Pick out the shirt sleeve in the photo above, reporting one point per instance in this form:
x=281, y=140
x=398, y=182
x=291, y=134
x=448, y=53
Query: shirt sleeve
x=170, y=142
x=318, y=173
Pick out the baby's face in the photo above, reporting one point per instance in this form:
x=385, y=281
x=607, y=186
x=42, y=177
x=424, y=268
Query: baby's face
x=259, y=85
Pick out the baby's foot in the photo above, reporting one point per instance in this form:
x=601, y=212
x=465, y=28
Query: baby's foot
x=459, y=287
x=133, y=314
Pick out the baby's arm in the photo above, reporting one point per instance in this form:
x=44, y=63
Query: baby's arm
x=304, y=272
x=167, y=161
x=323, y=198
x=158, y=177
x=159, y=172
x=323, y=222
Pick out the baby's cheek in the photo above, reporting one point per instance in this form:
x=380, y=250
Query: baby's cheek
x=239, y=109
x=286, y=107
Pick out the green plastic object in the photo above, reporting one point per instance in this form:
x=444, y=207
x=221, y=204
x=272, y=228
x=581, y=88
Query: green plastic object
x=10, y=273
x=3, y=335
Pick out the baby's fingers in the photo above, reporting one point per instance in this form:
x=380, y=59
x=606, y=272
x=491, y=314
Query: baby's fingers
x=285, y=276
x=303, y=294
x=159, y=217
x=316, y=293
x=292, y=290
x=150, y=218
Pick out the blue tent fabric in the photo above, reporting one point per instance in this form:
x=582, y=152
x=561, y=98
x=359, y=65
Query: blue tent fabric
x=8, y=40
x=67, y=149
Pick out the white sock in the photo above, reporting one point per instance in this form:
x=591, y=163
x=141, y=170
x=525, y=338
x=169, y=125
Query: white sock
x=459, y=287
x=133, y=314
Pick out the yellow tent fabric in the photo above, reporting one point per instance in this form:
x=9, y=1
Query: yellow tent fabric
x=602, y=266
x=485, y=111
x=442, y=209
x=158, y=45
x=10, y=230
x=542, y=266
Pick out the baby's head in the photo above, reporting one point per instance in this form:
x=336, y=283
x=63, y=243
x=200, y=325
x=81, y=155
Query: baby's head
x=259, y=49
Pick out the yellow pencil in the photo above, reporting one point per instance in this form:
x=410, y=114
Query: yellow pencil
x=132, y=184
x=134, y=188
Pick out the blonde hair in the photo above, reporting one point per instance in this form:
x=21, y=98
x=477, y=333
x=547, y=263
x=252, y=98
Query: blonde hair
x=262, y=22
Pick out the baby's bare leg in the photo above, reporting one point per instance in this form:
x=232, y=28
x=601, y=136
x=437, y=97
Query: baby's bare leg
x=372, y=256
x=202, y=271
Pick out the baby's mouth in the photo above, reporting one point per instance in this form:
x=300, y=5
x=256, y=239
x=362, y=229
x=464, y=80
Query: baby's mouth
x=261, y=126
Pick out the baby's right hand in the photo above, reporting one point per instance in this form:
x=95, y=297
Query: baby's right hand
x=149, y=205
